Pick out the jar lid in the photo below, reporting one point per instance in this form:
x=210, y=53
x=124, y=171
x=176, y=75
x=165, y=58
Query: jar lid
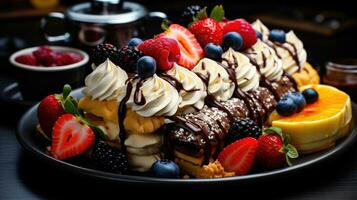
x=129, y=12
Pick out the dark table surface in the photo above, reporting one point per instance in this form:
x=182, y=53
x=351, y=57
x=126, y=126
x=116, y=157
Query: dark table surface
x=25, y=177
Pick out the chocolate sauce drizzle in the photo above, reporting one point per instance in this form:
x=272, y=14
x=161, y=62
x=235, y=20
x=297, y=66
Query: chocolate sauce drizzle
x=176, y=83
x=191, y=126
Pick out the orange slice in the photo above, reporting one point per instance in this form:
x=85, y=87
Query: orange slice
x=320, y=124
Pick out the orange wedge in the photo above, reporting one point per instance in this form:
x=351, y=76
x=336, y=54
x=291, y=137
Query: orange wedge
x=319, y=124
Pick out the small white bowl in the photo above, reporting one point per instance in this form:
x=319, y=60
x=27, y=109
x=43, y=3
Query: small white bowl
x=36, y=82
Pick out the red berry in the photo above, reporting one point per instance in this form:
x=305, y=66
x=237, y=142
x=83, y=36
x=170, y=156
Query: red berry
x=70, y=137
x=49, y=110
x=164, y=50
x=239, y=157
x=269, y=153
x=27, y=59
x=244, y=29
x=45, y=56
x=191, y=51
x=67, y=58
x=207, y=31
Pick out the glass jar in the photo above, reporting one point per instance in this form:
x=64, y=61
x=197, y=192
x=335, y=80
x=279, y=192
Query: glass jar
x=343, y=75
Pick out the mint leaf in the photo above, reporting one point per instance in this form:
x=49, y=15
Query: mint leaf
x=66, y=90
x=99, y=133
x=288, y=160
x=286, y=139
x=292, y=152
x=70, y=107
x=217, y=13
x=276, y=130
x=202, y=14
x=165, y=25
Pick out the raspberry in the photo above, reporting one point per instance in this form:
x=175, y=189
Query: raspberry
x=45, y=56
x=164, y=50
x=27, y=59
x=67, y=58
x=244, y=29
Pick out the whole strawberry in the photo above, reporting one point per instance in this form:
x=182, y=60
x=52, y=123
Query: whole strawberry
x=274, y=149
x=207, y=31
x=52, y=107
x=243, y=28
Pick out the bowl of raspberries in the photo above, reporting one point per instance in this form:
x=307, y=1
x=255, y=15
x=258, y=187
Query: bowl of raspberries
x=44, y=69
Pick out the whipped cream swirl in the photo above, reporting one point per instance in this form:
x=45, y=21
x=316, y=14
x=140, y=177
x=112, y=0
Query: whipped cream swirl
x=268, y=62
x=259, y=26
x=246, y=74
x=219, y=84
x=193, y=91
x=292, y=52
x=106, y=82
x=157, y=97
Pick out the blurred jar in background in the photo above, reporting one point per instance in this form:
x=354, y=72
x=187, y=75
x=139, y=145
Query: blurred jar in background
x=343, y=75
x=43, y=4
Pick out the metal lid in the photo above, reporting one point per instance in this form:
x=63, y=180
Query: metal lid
x=84, y=12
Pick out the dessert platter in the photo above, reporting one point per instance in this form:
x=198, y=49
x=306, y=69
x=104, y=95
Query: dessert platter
x=207, y=100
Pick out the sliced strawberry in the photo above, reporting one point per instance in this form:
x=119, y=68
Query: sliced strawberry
x=191, y=51
x=239, y=157
x=70, y=137
x=27, y=59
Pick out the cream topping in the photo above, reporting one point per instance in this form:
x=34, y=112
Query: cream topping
x=106, y=82
x=161, y=98
x=219, y=84
x=246, y=74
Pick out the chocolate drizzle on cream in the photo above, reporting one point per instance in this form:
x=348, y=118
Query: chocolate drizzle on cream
x=176, y=83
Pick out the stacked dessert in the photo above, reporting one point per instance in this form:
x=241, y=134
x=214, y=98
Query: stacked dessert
x=189, y=101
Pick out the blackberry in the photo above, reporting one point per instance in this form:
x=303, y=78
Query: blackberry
x=103, y=51
x=189, y=12
x=109, y=159
x=242, y=128
x=128, y=57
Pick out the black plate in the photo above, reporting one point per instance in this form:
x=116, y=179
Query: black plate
x=29, y=121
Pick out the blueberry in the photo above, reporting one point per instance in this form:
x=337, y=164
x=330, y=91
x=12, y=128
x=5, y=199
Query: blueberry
x=277, y=35
x=146, y=67
x=133, y=42
x=298, y=99
x=310, y=95
x=232, y=39
x=259, y=35
x=213, y=51
x=165, y=169
x=286, y=106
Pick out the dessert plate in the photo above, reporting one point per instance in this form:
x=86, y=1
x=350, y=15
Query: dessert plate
x=28, y=122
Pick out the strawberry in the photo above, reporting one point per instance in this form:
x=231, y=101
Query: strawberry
x=244, y=29
x=207, y=31
x=239, y=157
x=70, y=137
x=165, y=51
x=27, y=59
x=190, y=49
x=274, y=149
x=52, y=107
